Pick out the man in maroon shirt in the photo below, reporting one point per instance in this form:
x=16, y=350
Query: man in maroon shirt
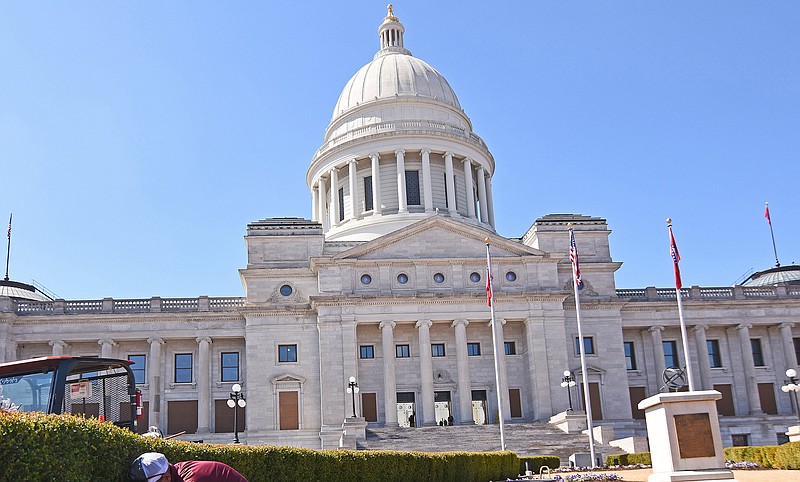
x=154, y=467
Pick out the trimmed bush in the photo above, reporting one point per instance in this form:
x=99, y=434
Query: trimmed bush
x=536, y=463
x=36, y=447
x=639, y=458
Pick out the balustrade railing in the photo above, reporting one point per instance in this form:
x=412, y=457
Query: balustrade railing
x=711, y=293
x=110, y=305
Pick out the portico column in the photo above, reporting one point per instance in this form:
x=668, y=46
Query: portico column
x=321, y=209
x=203, y=384
x=376, y=183
x=468, y=187
x=426, y=180
x=401, y=180
x=450, y=184
x=334, y=213
x=702, y=356
x=154, y=381
x=58, y=347
x=389, y=380
x=106, y=344
x=788, y=344
x=428, y=416
x=482, y=195
x=464, y=386
x=352, y=184
x=314, y=204
x=658, y=353
x=489, y=202
x=751, y=382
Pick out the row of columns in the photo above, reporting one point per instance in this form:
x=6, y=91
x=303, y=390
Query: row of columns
x=330, y=218
x=425, y=411
x=748, y=365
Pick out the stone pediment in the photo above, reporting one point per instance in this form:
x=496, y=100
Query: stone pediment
x=438, y=238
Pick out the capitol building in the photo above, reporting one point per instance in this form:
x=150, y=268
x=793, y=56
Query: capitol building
x=386, y=283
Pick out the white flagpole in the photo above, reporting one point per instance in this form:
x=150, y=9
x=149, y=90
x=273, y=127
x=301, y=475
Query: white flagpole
x=684, y=336
x=586, y=397
x=496, y=348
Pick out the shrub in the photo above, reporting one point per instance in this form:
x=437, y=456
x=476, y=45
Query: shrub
x=537, y=462
x=67, y=448
x=638, y=458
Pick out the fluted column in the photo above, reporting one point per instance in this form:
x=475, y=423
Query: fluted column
x=788, y=345
x=426, y=180
x=334, y=213
x=389, y=380
x=58, y=346
x=428, y=416
x=482, y=195
x=450, y=184
x=351, y=173
x=751, y=383
x=376, y=183
x=322, y=215
x=154, y=381
x=489, y=201
x=106, y=344
x=701, y=344
x=462, y=361
x=468, y=187
x=658, y=353
x=401, y=180
x=203, y=384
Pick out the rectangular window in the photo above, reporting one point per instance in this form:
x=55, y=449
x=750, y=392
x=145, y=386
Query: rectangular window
x=412, y=188
x=510, y=348
x=670, y=353
x=287, y=353
x=446, y=202
x=183, y=368
x=139, y=368
x=796, y=351
x=588, y=345
x=437, y=349
x=402, y=351
x=368, y=193
x=630, y=356
x=714, y=356
x=473, y=349
x=229, y=367
x=341, y=204
x=758, y=353
x=367, y=351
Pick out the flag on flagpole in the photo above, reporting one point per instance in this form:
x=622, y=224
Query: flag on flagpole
x=489, y=293
x=8, y=233
x=766, y=213
x=573, y=258
x=676, y=257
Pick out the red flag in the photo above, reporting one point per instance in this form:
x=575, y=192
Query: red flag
x=676, y=257
x=8, y=234
x=766, y=214
x=489, y=293
x=573, y=258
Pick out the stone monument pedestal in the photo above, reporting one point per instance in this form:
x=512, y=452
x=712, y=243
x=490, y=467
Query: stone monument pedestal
x=794, y=433
x=569, y=421
x=685, y=440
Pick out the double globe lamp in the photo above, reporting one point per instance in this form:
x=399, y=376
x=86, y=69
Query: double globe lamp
x=793, y=386
x=236, y=400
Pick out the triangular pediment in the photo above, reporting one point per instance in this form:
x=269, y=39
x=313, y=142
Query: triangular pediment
x=438, y=238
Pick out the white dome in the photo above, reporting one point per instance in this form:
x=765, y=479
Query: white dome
x=394, y=75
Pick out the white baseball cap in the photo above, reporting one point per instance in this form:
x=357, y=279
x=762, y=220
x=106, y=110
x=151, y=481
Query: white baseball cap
x=148, y=467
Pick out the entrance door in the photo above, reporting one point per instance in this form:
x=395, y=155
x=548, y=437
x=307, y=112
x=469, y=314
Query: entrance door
x=441, y=401
x=479, y=407
x=594, y=394
x=287, y=404
x=405, y=409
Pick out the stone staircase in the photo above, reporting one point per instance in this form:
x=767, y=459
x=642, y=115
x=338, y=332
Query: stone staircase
x=522, y=438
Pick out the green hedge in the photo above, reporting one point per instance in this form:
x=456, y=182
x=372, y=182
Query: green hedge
x=639, y=458
x=37, y=447
x=786, y=456
x=537, y=462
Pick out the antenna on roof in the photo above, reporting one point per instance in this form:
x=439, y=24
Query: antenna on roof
x=8, y=249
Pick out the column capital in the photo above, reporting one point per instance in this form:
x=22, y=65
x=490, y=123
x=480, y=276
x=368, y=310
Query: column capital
x=426, y=323
x=501, y=320
x=656, y=328
x=106, y=341
x=425, y=150
x=700, y=327
x=374, y=156
x=744, y=326
x=448, y=154
x=459, y=322
x=789, y=325
x=351, y=160
x=60, y=343
x=387, y=323
x=156, y=340
x=201, y=339
x=399, y=152
x=466, y=161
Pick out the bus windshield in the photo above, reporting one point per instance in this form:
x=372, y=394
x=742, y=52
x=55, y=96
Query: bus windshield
x=26, y=393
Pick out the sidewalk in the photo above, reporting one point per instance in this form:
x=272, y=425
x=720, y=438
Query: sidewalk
x=640, y=475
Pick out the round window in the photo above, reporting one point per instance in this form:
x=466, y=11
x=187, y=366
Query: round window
x=286, y=290
x=438, y=277
x=475, y=277
x=402, y=278
x=511, y=276
x=366, y=279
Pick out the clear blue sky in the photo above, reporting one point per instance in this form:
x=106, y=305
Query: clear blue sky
x=137, y=139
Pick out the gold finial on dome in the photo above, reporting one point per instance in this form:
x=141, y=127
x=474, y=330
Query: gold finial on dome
x=390, y=15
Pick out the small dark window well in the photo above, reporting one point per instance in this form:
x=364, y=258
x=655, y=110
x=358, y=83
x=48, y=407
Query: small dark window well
x=510, y=347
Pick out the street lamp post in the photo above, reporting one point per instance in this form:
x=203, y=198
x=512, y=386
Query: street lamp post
x=568, y=381
x=794, y=387
x=235, y=401
x=352, y=388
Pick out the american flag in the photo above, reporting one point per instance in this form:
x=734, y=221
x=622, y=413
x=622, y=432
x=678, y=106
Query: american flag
x=573, y=258
x=676, y=257
x=766, y=214
x=489, y=292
